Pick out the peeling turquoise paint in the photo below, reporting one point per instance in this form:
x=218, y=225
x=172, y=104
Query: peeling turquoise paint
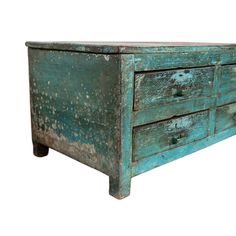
x=126, y=108
x=75, y=98
x=168, y=134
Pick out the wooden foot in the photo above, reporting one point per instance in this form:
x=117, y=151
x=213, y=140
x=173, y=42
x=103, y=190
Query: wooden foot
x=119, y=189
x=40, y=150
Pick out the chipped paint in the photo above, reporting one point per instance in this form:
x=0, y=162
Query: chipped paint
x=183, y=123
x=107, y=57
x=82, y=104
x=76, y=113
x=73, y=149
x=225, y=117
x=168, y=87
x=231, y=109
x=167, y=134
x=183, y=78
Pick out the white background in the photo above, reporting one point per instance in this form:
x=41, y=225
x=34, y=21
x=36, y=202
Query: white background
x=59, y=196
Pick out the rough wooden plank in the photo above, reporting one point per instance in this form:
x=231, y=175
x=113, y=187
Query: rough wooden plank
x=170, y=110
x=212, y=115
x=74, y=99
x=82, y=103
x=132, y=47
x=171, y=86
x=145, y=62
x=227, y=81
x=168, y=134
x=156, y=160
x=228, y=57
x=212, y=111
x=225, y=117
x=226, y=98
x=120, y=186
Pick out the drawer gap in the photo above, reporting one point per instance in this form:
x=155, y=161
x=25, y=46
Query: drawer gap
x=169, y=118
x=176, y=68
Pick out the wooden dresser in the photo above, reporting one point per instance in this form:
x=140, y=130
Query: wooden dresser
x=126, y=108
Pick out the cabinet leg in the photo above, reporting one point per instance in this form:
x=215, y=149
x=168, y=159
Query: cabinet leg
x=39, y=149
x=119, y=188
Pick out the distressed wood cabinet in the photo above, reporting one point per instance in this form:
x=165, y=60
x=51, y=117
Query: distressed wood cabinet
x=126, y=108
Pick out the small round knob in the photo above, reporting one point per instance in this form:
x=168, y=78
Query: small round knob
x=179, y=93
x=174, y=140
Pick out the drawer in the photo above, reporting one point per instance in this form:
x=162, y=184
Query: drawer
x=225, y=117
x=171, y=86
x=227, y=81
x=167, y=134
x=227, y=85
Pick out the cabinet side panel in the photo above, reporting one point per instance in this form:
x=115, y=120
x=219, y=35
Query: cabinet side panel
x=75, y=109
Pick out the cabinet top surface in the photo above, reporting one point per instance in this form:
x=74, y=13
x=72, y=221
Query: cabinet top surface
x=131, y=47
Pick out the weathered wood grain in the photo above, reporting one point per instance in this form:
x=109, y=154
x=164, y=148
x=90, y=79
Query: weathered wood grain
x=226, y=98
x=145, y=62
x=160, y=159
x=166, y=111
x=168, y=134
x=227, y=81
x=171, y=86
x=74, y=99
x=225, y=117
x=120, y=186
x=227, y=85
x=132, y=47
x=126, y=108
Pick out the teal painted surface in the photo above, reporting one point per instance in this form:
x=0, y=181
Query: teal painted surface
x=227, y=81
x=227, y=85
x=212, y=121
x=132, y=47
x=225, y=117
x=75, y=105
x=171, y=86
x=168, y=134
x=145, y=62
x=154, y=161
x=228, y=97
x=212, y=110
x=170, y=110
x=120, y=187
x=126, y=108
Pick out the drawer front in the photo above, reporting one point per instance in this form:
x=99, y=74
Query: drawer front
x=225, y=117
x=227, y=85
x=157, y=88
x=167, y=134
x=228, y=79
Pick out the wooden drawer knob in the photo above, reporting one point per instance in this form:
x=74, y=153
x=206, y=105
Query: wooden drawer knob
x=177, y=138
